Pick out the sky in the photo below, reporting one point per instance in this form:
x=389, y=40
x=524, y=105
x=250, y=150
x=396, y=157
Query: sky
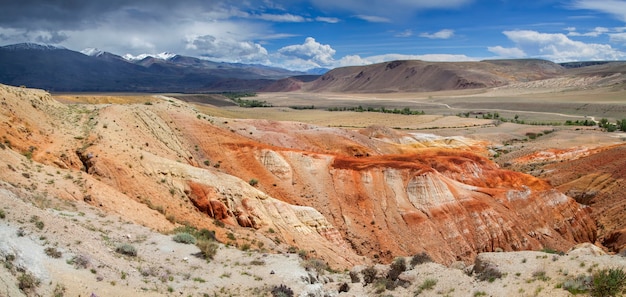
x=305, y=34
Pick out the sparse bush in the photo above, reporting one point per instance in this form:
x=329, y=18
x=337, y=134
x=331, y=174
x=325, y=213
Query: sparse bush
x=126, y=249
x=80, y=261
x=185, y=238
x=490, y=273
x=257, y=262
x=579, y=284
x=397, y=267
x=282, y=291
x=253, y=182
x=27, y=282
x=39, y=225
x=354, y=277
x=2, y=214
x=208, y=248
x=608, y=282
x=541, y=275
x=344, y=287
x=59, y=291
x=420, y=258
x=53, y=252
x=315, y=264
x=427, y=285
x=369, y=275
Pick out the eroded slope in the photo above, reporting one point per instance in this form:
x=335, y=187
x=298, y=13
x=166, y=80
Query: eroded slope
x=344, y=196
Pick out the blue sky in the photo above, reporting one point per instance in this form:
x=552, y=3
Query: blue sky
x=300, y=34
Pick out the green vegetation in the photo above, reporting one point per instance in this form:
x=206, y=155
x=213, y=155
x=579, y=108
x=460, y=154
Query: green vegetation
x=405, y=111
x=300, y=107
x=2, y=214
x=608, y=282
x=253, y=182
x=236, y=97
x=185, y=238
x=205, y=240
x=427, y=285
x=27, y=282
x=126, y=249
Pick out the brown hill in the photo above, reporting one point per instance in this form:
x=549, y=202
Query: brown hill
x=421, y=76
x=338, y=194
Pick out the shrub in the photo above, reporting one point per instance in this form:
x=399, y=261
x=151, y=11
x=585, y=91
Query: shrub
x=185, y=238
x=27, y=281
x=53, y=252
x=282, y=291
x=354, y=277
x=126, y=249
x=253, y=182
x=208, y=248
x=608, y=282
x=397, y=267
x=2, y=214
x=427, y=285
x=579, y=284
x=369, y=275
x=420, y=258
x=344, y=287
x=80, y=261
x=315, y=264
x=490, y=273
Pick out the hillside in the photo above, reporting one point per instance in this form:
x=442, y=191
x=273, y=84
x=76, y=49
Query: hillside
x=421, y=76
x=346, y=197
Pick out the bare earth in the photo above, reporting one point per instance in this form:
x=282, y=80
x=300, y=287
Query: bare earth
x=37, y=188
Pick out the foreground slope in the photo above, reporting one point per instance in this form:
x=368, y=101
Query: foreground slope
x=344, y=196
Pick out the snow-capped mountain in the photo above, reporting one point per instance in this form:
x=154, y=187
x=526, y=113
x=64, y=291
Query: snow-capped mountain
x=92, y=51
x=59, y=69
x=161, y=56
x=32, y=46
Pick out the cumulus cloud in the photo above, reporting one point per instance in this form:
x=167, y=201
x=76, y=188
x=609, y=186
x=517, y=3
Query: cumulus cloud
x=310, y=50
x=442, y=34
x=559, y=48
x=504, y=52
x=597, y=31
x=227, y=49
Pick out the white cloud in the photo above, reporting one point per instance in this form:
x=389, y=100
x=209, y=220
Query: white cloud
x=327, y=20
x=442, y=34
x=388, y=8
x=559, y=48
x=310, y=50
x=597, y=31
x=618, y=37
x=405, y=33
x=282, y=18
x=614, y=7
x=504, y=52
x=227, y=49
x=373, y=19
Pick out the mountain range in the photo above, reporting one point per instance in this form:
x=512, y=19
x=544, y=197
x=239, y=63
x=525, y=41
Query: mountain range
x=62, y=70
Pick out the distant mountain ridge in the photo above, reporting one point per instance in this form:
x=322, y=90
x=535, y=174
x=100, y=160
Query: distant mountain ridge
x=59, y=69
